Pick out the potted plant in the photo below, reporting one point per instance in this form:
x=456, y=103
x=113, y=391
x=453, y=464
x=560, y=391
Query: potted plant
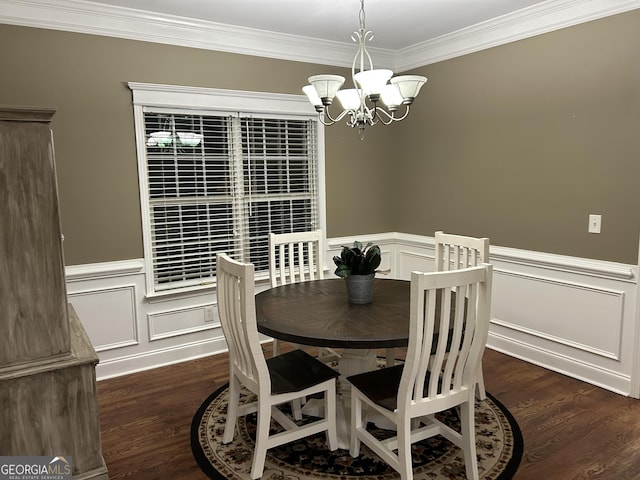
x=358, y=264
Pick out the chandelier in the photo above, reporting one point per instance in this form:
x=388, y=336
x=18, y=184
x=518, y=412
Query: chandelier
x=375, y=90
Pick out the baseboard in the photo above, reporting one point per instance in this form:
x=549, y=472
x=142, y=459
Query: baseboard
x=554, y=361
x=148, y=360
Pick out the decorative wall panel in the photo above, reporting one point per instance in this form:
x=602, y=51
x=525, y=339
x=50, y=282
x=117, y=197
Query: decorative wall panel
x=109, y=316
x=578, y=315
x=182, y=321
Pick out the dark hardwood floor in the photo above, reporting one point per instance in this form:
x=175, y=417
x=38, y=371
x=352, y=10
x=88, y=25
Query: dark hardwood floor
x=572, y=430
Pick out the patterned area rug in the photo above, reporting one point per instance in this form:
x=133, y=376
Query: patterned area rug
x=498, y=439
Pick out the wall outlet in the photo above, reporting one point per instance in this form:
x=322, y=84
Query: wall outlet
x=209, y=314
x=595, y=221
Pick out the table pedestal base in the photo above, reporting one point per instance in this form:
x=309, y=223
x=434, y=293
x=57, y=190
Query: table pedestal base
x=352, y=362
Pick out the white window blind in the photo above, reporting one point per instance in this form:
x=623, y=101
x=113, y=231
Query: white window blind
x=280, y=182
x=220, y=182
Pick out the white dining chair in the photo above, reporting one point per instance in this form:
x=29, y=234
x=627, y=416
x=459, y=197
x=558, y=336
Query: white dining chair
x=459, y=251
x=274, y=381
x=297, y=257
x=439, y=373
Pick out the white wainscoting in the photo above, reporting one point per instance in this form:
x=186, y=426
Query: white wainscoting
x=572, y=315
x=132, y=333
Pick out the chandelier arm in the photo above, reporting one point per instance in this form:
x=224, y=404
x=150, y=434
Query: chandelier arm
x=391, y=117
x=340, y=116
x=386, y=122
x=321, y=117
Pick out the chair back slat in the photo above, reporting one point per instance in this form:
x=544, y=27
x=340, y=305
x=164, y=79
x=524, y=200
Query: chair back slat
x=236, y=309
x=426, y=360
x=456, y=352
x=448, y=332
x=295, y=257
x=467, y=295
x=458, y=251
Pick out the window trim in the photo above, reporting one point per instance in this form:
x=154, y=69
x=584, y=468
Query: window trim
x=212, y=100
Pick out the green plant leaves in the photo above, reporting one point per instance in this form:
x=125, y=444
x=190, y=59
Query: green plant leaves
x=374, y=256
x=343, y=271
x=356, y=260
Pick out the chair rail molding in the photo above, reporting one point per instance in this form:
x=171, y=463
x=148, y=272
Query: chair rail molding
x=102, y=270
x=572, y=315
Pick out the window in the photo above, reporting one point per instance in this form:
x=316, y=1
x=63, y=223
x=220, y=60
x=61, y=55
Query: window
x=214, y=180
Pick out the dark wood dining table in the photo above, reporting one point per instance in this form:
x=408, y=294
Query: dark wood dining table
x=318, y=313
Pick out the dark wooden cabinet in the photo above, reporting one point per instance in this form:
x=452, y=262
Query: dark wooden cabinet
x=47, y=363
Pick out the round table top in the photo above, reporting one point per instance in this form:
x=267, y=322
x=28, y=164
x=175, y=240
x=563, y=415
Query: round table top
x=318, y=313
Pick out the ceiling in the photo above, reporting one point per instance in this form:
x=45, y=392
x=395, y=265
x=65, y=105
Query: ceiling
x=408, y=33
x=397, y=24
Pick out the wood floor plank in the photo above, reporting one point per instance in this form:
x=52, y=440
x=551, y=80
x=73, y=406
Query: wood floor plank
x=572, y=430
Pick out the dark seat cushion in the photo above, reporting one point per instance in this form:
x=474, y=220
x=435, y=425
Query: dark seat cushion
x=381, y=386
x=296, y=370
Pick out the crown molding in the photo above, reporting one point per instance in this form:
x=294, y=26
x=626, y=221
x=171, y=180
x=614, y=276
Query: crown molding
x=121, y=22
x=528, y=22
x=98, y=19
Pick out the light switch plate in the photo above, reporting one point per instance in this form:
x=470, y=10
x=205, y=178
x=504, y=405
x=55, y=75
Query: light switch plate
x=595, y=222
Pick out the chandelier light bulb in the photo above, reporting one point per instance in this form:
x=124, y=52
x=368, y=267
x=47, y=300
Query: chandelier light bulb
x=350, y=98
x=326, y=86
x=373, y=81
x=391, y=97
x=313, y=97
x=409, y=86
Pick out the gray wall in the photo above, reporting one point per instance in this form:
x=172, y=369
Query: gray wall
x=522, y=142
x=84, y=77
x=519, y=143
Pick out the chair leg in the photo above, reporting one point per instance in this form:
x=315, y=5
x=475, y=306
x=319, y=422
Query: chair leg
x=467, y=429
x=232, y=409
x=296, y=406
x=482, y=394
x=330, y=414
x=404, y=450
x=356, y=424
x=262, y=435
x=276, y=347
